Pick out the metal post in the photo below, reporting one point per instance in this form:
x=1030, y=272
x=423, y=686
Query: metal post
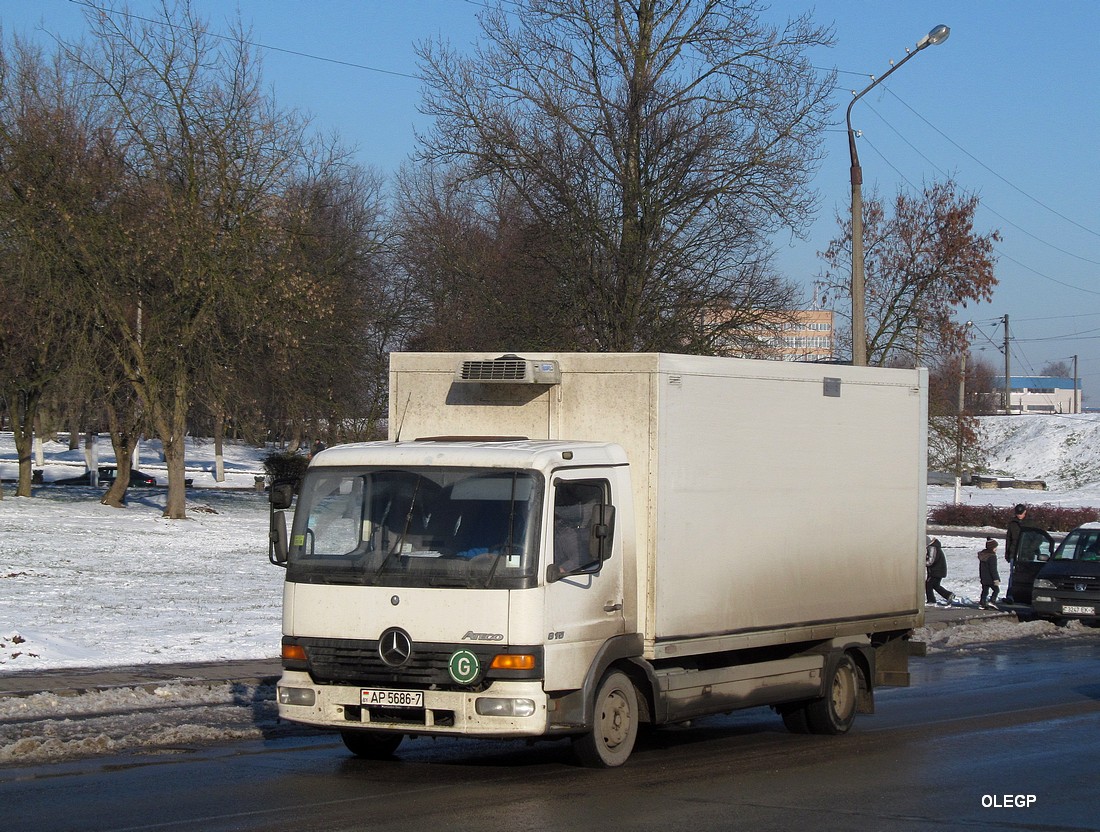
x=1008, y=378
x=959, y=429
x=859, y=316
x=1076, y=392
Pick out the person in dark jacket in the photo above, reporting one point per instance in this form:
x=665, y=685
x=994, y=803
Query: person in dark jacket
x=987, y=573
x=935, y=571
x=1012, y=532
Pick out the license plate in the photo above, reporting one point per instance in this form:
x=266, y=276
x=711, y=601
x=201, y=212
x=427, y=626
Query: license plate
x=369, y=697
x=1069, y=609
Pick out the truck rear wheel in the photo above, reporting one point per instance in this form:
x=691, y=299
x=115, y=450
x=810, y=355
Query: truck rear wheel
x=834, y=712
x=614, y=724
x=371, y=745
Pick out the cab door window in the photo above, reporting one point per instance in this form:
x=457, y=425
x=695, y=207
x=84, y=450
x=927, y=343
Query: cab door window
x=576, y=504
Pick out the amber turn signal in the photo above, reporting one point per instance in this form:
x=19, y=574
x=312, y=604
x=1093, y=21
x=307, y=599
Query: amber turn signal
x=513, y=661
x=294, y=653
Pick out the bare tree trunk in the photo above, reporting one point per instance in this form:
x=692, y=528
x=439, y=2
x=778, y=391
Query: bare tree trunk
x=23, y=407
x=219, y=442
x=123, y=441
x=175, y=452
x=74, y=432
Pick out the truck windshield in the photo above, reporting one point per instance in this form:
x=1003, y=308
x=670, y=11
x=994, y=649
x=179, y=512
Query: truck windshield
x=424, y=527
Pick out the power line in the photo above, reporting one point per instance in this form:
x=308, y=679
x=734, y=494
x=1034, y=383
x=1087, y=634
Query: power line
x=983, y=203
x=998, y=251
x=253, y=44
x=1012, y=185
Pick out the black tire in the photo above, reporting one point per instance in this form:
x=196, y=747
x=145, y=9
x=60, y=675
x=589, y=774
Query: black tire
x=614, y=724
x=794, y=718
x=371, y=745
x=834, y=712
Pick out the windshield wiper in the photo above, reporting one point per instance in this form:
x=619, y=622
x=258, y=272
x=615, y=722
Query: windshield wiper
x=509, y=546
x=373, y=579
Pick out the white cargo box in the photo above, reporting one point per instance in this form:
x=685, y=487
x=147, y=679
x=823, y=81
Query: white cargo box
x=775, y=500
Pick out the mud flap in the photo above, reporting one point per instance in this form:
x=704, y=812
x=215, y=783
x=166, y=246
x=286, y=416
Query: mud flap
x=892, y=663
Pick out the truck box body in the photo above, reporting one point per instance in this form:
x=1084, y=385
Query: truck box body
x=571, y=544
x=769, y=496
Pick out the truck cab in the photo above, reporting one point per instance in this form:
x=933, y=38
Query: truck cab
x=462, y=593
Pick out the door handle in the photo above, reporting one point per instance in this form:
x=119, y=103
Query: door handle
x=611, y=606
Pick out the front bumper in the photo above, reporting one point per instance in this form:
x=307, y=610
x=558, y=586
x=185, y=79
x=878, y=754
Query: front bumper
x=1053, y=604
x=452, y=713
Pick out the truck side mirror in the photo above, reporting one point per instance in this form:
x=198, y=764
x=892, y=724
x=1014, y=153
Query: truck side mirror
x=282, y=495
x=278, y=549
x=280, y=499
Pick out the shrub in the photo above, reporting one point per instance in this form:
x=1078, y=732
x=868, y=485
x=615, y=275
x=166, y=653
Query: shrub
x=286, y=467
x=1050, y=517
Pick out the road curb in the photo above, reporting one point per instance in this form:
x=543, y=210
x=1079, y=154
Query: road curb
x=77, y=681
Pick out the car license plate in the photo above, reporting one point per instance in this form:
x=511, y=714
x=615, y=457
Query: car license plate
x=370, y=697
x=1070, y=609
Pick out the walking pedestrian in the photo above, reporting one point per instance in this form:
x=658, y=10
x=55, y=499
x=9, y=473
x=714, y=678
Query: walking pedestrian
x=935, y=571
x=988, y=575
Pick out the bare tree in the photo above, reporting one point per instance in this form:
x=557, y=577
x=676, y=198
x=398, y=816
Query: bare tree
x=481, y=268
x=659, y=143
x=204, y=152
x=49, y=160
x=922, y=263
x=1058, y=369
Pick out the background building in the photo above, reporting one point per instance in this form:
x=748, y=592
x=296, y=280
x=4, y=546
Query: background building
x=810, y=337
x=1042, y=394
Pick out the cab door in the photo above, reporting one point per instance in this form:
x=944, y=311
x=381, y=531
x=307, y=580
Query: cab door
x=583, y=575
x=1032, y=553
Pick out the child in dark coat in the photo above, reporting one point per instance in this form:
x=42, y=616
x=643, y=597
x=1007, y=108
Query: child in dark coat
x=987, y=573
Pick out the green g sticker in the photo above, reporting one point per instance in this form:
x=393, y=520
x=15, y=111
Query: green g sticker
x=298, y=540
x=464, y=667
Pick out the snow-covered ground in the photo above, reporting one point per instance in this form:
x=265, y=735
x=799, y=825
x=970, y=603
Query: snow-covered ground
x=83, y=585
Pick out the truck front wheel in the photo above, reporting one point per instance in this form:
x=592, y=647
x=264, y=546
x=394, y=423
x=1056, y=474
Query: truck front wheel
x=614, y=724
x=834, y=712
x=371, y=745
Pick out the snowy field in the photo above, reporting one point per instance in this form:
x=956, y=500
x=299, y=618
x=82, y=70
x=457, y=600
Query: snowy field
x=83, y=585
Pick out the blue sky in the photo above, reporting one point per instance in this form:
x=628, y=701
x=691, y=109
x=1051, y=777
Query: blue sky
x=1008, y=105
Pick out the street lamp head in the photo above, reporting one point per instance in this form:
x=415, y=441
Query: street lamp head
x=937, y=35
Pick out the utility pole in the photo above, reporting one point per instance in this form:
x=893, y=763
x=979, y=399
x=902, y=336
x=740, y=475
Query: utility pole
x=859, y=315
x=1008, y=377
x=959, y=422
x=959, y=429
x=1076, y=392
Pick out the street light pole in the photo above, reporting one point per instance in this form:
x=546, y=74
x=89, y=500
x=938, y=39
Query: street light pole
x=859, y=316
x=959, y=420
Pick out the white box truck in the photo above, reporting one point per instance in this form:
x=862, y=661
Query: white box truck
x=570, y=545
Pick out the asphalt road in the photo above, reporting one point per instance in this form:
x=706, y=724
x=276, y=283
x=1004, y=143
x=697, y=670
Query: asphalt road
x=977, y=730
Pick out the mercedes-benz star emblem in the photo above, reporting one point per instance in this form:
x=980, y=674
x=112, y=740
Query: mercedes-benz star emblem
x=395, y=647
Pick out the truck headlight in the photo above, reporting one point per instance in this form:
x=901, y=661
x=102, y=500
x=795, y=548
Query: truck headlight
x=1043, y=583
x=297, y=696
x=499, y=706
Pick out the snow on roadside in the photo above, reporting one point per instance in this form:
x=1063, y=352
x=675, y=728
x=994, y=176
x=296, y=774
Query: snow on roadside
x=47, y=728
x=984, y=631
